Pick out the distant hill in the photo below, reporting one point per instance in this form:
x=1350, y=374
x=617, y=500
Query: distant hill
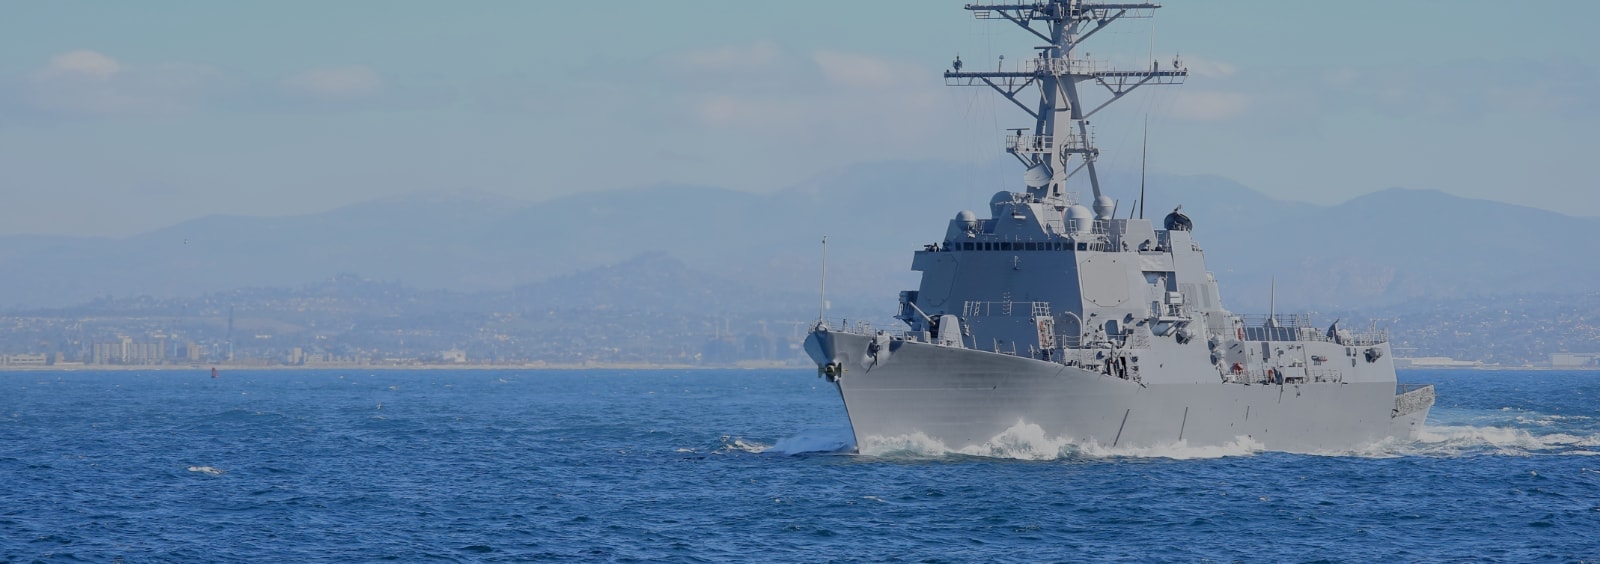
x=1397, y=245
x=704, y=246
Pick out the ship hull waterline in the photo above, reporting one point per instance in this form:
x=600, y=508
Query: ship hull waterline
x=965, y=399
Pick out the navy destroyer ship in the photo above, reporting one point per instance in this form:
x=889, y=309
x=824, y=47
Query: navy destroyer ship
x=1056, y=314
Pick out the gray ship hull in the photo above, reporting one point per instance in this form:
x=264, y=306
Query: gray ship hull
x=1062, y=320
x=965, y=398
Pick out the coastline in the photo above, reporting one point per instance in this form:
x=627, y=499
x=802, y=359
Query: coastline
x=388, y=367
x=541, y=366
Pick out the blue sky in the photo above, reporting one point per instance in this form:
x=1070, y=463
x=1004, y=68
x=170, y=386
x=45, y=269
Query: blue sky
x=116, y=118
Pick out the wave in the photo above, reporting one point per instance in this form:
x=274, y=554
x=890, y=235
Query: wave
x=1446, y=441
x=1462, y=433
x=739, y=444
x=1027, y=441
x=820, y=440
x=1467, y=439
x=207, y=470
x=826, y=440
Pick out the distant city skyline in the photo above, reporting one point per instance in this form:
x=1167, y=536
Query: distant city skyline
x=117, y=119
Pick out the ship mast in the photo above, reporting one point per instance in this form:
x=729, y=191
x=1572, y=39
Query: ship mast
x=1062, y=142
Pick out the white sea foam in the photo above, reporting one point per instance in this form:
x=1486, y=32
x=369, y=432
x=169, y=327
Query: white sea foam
x=731, y=444
x=207, y=470
x=817, y=440
x=1027, y=441
x=1438, y=440
x=1549, y=420
x=1181, y=450
x=1497, y=440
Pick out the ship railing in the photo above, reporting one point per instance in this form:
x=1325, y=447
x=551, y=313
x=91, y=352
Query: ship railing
x=1402, y=389
x=1003, y=309
x=1274, y=375
x=1095, y=240
x=1325, y=375
x=1081, y=66
x=1185, y=310
x=1011, y=244
x=1096, y=343
x=1058, y=65
x=859, y=327
x=1297, y=327
x=1083, y=357
x=867, y=329
x=1044, y=144
x=1030, y=144
x=1367, y=339
x=1279, y=320
x=1281, y=327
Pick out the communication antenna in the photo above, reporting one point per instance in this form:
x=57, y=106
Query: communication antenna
x=1144, y=156
x=1062, y=141
x=822, y=292
x=1272, y=303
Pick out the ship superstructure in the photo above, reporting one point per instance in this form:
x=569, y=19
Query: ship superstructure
x=1057, y=314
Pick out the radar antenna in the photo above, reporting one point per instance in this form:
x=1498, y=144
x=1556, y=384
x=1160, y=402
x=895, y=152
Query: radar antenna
x=1063, y=148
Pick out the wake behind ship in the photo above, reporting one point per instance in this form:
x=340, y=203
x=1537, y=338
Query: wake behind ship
x=1054, y=314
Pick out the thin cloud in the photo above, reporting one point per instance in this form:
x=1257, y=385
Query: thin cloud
x=1208, y=68
x=864, y=71
x=342, y=83
x=844, y=103
x=1207, y=105
x=89, y=83
x=81, y=63
x=758, y=56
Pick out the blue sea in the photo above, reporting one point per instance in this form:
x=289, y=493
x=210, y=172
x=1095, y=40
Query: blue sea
x=612, y=465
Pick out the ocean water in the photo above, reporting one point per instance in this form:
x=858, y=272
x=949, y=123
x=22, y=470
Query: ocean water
x=743, y=465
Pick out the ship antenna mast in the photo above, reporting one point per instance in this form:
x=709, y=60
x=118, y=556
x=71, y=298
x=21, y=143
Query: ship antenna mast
x=1060, y=149
x=822, y=292
x=1144, y=156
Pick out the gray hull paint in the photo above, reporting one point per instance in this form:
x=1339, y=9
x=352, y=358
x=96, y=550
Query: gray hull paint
x=1057, y=314
x=964, y=398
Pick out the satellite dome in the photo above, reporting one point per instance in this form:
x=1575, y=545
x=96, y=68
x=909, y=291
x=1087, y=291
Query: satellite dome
x=1037, y=176
x=1080, y=218
x=1176, y=221
x=1104, y=206
x=967, y=220
x=997, y=204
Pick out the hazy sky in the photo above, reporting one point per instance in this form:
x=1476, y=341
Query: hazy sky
x=120, y=117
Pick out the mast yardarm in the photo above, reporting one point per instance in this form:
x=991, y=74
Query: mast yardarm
x=1062, y=143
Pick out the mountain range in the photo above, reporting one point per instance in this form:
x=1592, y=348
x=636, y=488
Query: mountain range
x=698, y=246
